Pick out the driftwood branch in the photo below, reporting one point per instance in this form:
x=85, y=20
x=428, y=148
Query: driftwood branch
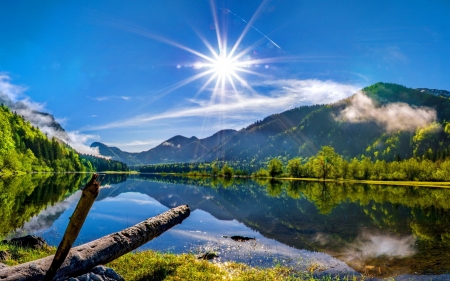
x=101, y=251
x=90, y=192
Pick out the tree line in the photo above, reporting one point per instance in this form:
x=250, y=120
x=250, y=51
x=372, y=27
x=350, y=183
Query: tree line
x=326, y=164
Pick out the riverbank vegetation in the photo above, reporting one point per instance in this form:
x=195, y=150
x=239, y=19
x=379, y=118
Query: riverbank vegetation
x=326, y=164
x=149, y=265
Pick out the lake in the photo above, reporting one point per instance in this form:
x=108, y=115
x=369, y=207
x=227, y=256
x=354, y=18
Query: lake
x=331, y=227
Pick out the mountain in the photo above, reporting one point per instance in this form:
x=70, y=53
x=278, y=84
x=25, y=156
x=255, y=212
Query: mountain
x=442, y=93
x=116, y=154
x=175, y=149
x=23, y=147
x=387, y=121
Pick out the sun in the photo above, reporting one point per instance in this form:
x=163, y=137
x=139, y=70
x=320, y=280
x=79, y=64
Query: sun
x=224, y=68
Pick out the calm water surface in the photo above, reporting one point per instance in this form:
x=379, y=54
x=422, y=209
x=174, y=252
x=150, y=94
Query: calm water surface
x=377, y=230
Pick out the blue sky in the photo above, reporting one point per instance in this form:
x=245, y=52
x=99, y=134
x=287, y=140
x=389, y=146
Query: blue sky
x=108, y=70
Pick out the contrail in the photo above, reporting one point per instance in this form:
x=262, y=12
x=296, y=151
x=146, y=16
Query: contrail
x=265, y=36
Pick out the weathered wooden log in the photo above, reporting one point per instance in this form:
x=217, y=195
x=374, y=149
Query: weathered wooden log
x=90, y=192
x=101, y=251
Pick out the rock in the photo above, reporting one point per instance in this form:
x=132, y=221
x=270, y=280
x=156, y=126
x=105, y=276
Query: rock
x=4, y=255
x=29, y=241
x=239, y=238
x=99, y=273
x=207, y=256
x=3, y=265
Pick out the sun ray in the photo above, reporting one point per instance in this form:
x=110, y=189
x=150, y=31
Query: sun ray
x=249, y=71
x=214, y=76
x=188, y=80
x=214, y=92
x=245, y=84
x=216, y=25
x=236, y=93
x=246, y=50
x=148, y=34
x=246, y=29
x=222, y=64
x=207, y=44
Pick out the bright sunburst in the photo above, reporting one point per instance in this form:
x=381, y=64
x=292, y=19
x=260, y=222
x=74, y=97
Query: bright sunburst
x=224, y=68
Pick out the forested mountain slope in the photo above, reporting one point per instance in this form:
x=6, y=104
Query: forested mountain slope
x=385, y=121
x=371, y=136
x=24, y=147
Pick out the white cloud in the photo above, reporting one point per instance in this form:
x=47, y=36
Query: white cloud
x=13, y=96
x=133, y=143
x=393, y=116
x=369, y=246
x=46, y=218
x=106, y=98
x=135, y=146
x=166, y=143
x=282, y=95
x=11, y=90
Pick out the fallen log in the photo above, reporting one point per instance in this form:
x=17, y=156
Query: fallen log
x=101, y=251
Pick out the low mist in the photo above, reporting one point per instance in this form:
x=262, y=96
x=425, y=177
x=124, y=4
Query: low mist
x=12, y=96
x=393, y=117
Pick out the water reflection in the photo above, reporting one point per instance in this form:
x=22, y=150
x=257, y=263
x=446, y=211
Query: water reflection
x=379, y=230
x=24, y=197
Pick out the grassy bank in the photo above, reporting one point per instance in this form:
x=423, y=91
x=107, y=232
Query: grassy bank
x=149, y=265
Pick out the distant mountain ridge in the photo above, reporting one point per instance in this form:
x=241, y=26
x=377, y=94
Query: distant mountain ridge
x=442, y=93
x=304, y=130
x=175, y=149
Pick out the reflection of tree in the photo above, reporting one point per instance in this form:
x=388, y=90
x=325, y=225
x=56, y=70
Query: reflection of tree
x=25, y=196
x=113, y=179
x=330, y=217
x=274, y=187
x=294, y=187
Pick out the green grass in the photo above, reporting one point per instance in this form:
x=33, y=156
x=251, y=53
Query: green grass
x=149, y=265
x=21, y=255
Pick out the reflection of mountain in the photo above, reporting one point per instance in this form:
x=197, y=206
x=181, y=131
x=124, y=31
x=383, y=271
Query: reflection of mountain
x=171, y=195
x=26, y=196
x=393, y=229
x=45, y=219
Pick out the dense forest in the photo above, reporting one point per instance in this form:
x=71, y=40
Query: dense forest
x=94, y=163
x=25, y=148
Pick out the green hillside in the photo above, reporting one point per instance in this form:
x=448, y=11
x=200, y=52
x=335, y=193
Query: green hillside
x=25, y=148
x=302, y=131
x=289, y=135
